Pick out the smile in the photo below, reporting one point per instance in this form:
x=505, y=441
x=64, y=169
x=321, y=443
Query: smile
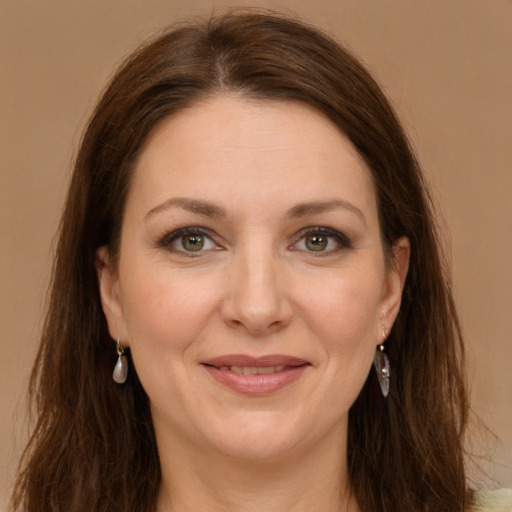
x=253, y=370
x=256, y=376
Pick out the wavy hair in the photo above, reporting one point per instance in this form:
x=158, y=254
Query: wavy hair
x=93, y=446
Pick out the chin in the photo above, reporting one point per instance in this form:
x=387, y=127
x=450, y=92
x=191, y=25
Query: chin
x=263, y=437
x=257, y=447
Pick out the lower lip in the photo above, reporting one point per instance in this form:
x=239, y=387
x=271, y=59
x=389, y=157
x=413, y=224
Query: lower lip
x=257, y=385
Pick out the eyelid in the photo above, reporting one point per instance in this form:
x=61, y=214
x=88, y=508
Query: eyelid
x=340, y=238
x=167, y=240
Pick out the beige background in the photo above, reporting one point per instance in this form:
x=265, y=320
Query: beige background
x=446, y=64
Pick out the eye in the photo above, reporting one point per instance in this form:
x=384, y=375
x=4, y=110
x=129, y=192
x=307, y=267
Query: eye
x=321, y=240
x=192, y=243
x=316, y=242
x=188, y=240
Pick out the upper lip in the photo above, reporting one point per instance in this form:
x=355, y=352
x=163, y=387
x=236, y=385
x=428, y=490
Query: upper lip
x=246, y=360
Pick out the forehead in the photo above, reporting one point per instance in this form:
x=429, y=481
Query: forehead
x=232, y=145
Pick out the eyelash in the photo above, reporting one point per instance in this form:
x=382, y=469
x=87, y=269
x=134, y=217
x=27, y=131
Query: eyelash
x=341, y=240
x=175, y=235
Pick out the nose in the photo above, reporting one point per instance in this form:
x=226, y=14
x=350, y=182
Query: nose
x=256, y=299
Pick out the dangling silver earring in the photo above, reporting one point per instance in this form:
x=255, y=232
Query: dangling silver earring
x=381, y=363
x=121, y=369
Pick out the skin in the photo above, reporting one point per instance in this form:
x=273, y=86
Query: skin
x=258, y=286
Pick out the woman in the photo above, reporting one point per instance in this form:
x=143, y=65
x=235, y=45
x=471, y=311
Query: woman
x=246, y=232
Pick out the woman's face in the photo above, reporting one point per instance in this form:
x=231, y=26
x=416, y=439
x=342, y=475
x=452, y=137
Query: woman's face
x=251, y=285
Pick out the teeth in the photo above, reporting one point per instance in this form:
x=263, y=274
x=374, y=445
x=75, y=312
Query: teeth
x=254, y=370
x=262, y=370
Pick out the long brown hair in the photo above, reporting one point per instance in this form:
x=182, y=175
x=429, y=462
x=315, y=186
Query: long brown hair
x=93, y=447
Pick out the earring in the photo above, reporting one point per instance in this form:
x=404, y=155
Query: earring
x=121, y=369
x=381, y=363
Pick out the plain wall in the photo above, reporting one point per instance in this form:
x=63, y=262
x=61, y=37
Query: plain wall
x=446, y=64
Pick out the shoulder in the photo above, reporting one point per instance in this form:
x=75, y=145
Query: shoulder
x=493, y=501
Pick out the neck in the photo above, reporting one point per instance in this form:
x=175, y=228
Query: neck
x=312, y=480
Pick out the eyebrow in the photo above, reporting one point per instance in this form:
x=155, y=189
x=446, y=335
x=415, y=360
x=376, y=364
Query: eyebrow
x=211, y=210
x=203, y=208
x=304, y=209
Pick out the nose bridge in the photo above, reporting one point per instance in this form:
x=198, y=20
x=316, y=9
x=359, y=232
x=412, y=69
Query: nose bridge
x=256, y=298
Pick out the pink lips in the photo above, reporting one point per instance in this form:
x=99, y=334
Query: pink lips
x=255, y=375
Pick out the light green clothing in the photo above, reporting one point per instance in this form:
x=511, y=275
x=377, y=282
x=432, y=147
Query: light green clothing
x=493, y=501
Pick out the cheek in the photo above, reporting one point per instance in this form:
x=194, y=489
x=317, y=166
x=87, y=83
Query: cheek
x=345, y=311
x=345, y=322
x=164, y=313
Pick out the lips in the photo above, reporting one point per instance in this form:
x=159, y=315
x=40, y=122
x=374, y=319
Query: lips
x=253, y=370
x=262, y=361
x=256, y=375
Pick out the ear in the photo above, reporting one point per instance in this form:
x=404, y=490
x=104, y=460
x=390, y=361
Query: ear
x=394, y=285
x=110, y=295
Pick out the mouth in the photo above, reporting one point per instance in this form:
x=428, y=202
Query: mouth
x=256, y=376
x=252, y=370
